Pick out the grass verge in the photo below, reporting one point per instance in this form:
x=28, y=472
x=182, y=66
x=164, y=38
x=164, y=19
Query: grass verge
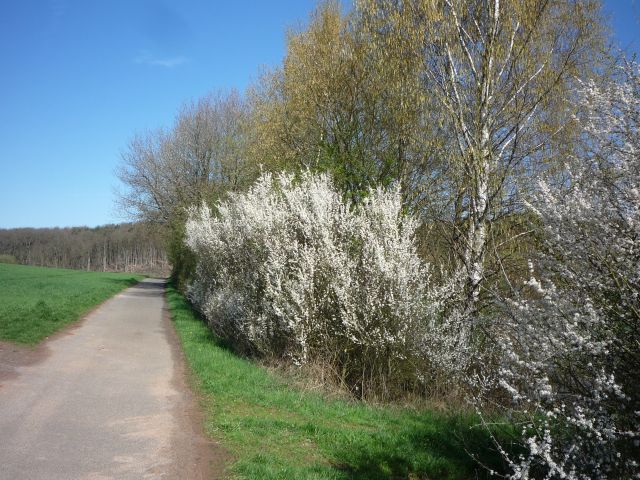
x=276, y=431
x=36, y=302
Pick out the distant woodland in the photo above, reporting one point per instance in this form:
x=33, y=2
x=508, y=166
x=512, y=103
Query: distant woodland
x=127, y=247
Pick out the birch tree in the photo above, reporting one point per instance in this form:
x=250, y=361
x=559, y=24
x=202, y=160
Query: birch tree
x=492, y=71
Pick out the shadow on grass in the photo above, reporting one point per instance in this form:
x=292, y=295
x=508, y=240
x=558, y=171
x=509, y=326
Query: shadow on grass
x=420, y=451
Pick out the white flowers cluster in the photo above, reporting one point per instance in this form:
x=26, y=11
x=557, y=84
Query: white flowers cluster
x=572, y=337
x=289, y=269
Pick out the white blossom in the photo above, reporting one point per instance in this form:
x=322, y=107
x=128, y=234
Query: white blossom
x=289, y=269
x=570, y=339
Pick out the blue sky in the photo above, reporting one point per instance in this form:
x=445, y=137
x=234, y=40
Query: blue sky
x=80, y=77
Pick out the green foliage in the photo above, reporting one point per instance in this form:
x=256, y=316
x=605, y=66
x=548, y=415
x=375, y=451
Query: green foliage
x=182, y=259
x=325, y=109
x=276, y=431
x=35, y=302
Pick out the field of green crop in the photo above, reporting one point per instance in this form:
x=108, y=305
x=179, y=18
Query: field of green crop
x=35, y=302
x=275, y=430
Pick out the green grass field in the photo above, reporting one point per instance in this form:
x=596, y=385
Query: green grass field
x=277, y=431
x=36, y=302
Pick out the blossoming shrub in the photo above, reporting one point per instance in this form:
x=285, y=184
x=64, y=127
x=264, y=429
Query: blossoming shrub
x=288, y=269
x=571, y=340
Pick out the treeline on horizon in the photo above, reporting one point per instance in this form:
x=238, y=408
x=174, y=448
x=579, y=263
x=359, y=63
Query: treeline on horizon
x=126, y=247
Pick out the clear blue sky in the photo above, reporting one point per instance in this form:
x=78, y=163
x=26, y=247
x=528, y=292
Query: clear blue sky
x=78, y=78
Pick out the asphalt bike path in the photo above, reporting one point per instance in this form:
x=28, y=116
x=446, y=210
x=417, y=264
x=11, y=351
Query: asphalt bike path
x=107, y=400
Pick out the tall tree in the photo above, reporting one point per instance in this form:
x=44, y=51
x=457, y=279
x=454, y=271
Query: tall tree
x=165, y=171
x=200, y=158
x=494, y=75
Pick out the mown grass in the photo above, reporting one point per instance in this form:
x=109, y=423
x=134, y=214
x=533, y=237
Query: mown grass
x=36, y=302
x=277, y=431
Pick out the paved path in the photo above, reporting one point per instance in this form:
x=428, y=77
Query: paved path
x=107, y=400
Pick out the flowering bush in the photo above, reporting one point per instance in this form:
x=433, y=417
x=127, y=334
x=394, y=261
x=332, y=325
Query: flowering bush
x=571, y=338
x=289, y=269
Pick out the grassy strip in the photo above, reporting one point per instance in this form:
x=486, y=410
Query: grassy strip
x=36, y=302
x=276, y=431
